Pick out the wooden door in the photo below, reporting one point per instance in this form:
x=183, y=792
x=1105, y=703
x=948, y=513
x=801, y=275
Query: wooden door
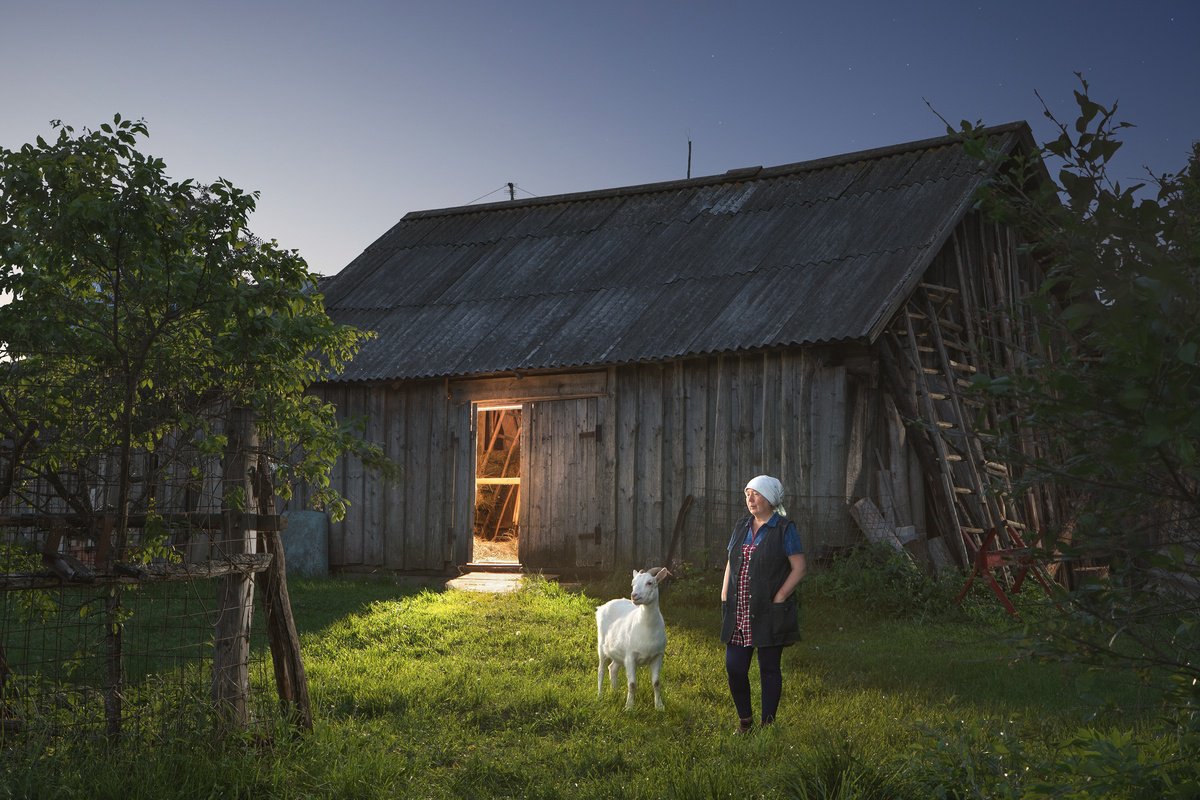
x=561, y=510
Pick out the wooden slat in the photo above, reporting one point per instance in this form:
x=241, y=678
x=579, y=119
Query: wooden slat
x=950, y=325
x=722, y=478
x=675, y=447
x=558, y=451
x=628, y=477
x=465, y=418
x=396, y=520
x=935, y=289
x=696, y=467
x=954, y=344
x=606, y=480
x=416, y=477
x=651, y=509
x=529, y=466
x=373, y=492
x=356, y=480
x=440, y=534
x=588, y=551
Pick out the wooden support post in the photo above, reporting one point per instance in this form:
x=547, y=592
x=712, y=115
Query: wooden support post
x=290, y=681
x=677, y=531
x=235, y=592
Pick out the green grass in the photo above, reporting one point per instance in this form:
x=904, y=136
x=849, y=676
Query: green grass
x=427, y=694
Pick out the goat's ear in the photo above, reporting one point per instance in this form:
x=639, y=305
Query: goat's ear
x=635, y=573
x=661, y=574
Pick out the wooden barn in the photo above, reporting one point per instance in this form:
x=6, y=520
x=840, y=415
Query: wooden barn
x=595, y=376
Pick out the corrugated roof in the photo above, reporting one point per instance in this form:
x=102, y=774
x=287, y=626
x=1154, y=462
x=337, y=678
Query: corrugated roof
x=818, y=251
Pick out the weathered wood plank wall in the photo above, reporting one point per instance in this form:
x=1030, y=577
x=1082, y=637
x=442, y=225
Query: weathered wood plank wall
x=405, y=524
x=652, y=435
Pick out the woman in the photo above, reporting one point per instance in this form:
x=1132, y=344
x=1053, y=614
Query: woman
x=758, y=610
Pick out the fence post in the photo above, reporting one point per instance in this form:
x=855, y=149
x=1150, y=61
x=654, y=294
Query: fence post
x=235, y=592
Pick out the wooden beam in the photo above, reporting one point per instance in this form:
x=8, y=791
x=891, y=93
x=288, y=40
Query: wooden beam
x=192, y=520
x=530, y=387
x=291, y=683
x=133, y=574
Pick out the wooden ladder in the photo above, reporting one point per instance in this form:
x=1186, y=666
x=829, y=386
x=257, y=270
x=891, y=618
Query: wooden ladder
x=938, y=350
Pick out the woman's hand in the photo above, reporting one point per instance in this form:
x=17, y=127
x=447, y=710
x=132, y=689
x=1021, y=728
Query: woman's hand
x=799, y=568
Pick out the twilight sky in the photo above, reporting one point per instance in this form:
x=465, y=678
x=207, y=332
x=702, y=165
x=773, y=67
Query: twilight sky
x=347, y=115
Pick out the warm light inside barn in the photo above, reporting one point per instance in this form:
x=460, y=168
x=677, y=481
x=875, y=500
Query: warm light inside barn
x=497, y=484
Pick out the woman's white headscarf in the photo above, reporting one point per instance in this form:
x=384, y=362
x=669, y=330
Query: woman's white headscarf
x=771, y=489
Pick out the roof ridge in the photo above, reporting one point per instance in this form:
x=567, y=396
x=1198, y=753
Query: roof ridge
x=737, y=175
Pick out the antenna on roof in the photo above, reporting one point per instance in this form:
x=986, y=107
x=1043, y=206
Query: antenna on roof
x=512, y=191
x=689, y=172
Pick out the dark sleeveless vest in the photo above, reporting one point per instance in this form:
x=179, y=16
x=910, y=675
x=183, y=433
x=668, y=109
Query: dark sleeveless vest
x=771, y=624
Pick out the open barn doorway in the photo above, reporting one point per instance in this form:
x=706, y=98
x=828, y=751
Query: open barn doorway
x=498, y=470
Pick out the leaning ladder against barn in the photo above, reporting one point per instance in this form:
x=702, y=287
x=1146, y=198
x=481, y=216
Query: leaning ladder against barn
x=944, y=335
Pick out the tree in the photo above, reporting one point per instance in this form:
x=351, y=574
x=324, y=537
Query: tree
x=142, y=310
x=1115, y=394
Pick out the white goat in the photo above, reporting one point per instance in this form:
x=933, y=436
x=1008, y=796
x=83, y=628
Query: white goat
x=630, y=633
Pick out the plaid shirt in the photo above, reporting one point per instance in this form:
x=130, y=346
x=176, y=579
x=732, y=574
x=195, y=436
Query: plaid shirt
x=741, y=634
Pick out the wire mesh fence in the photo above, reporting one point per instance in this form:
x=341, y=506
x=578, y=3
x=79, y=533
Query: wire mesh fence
x=127, y=589
x=64, y=674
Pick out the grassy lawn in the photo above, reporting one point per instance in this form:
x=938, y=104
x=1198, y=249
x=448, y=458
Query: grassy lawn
x=455, y=694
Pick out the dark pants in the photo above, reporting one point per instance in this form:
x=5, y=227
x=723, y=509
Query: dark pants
x=737, y=667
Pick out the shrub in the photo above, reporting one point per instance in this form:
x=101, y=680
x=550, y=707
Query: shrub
x=880, y=578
